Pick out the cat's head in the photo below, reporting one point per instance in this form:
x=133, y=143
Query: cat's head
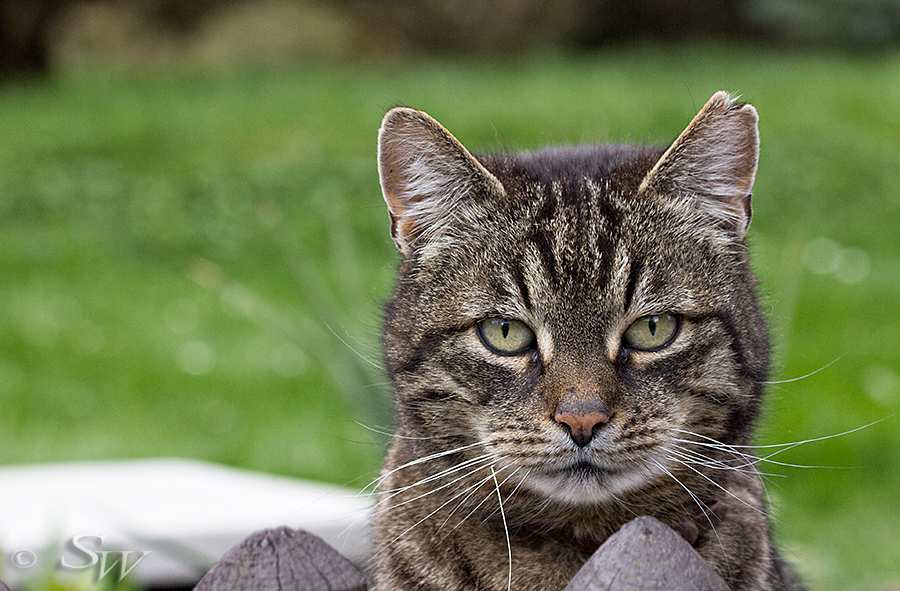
x=574, y=312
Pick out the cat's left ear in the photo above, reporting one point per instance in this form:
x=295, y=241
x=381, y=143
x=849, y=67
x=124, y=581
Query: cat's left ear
x=713, y=161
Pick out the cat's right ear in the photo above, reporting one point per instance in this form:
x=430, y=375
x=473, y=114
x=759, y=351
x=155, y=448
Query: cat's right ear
x=430, y=182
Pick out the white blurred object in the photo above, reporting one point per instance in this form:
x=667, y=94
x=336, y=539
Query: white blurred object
x=173, y=518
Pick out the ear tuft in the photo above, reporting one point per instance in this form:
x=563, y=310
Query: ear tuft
x=429, y=179
x=714, y=160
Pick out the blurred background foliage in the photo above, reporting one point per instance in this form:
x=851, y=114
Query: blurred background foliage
x=194, y=248
x=39, y=34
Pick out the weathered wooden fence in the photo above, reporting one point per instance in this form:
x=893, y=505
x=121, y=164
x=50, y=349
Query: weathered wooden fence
x=645, y=554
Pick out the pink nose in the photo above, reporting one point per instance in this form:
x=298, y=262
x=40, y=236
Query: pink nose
x=581, y=426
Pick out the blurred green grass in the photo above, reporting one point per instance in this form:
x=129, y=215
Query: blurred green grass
x=193, y=261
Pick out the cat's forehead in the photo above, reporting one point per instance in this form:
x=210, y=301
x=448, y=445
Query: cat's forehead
x=576, y=240
x=578, y=195
x=573, y=209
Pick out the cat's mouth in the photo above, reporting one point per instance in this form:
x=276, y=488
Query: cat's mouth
x=585, y=469
x=581, y=482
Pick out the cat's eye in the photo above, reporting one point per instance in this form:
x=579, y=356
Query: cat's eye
x=652, y=333
x=505, y=337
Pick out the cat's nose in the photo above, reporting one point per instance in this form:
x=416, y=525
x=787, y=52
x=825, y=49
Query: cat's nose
x=581, y=419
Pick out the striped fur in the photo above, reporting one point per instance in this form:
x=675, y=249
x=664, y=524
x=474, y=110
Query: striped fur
x=482, y=488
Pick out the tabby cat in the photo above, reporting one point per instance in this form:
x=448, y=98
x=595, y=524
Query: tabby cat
x=574, y=340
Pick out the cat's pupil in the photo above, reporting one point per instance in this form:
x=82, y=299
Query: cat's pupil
x=505, y=336
x=651, y=325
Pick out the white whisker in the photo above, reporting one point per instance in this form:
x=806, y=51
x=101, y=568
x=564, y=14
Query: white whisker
x=433, y=477
x=387, y=433
x=703, y=507
x=719, y=486
x=504, y=481
x=505, y=528
x=473, y=489
x=623, y=504
x=812, y=373
x=346, y=344
x=752, y=459
x=422, y=460
x=538, y=510
x=510, y=496
x=785, y=445
x=698, y=459
x=424, y=519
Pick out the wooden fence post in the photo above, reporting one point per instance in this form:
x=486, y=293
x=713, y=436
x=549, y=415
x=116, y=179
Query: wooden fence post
x=646, y=554
x=282, y=559
x=643, y=555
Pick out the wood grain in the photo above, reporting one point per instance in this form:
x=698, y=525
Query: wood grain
x=644, y=555
x=282, y=559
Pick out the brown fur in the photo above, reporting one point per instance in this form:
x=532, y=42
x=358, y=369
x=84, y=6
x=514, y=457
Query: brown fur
x=577, y=244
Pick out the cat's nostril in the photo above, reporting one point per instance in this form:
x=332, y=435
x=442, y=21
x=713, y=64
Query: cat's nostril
x=581, y=427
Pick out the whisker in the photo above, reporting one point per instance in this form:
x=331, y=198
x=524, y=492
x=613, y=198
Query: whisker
x=707, y=460
x=751, y=459
x=701, y=460
x=503, y=482
x=539, y=509
x=696, y=499
x=505, y=527
x=741, y=462
x=512, y=494
x=473, y=489
x=435, y=477
x=474, y=509
x=744, y=458
x=376, y=510
x=387, y=433
x=812, y=373
x=424, y=459
x=416, y=524
x=719, y=486
x=623, y=504
x=703, y=507
x=346, y=344
x=785, y=445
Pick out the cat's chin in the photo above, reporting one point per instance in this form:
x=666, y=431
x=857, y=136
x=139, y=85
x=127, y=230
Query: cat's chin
x=584, y=483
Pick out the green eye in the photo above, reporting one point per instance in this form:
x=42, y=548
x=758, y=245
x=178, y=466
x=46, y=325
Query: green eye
x=652, y=333
x=505, y=337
